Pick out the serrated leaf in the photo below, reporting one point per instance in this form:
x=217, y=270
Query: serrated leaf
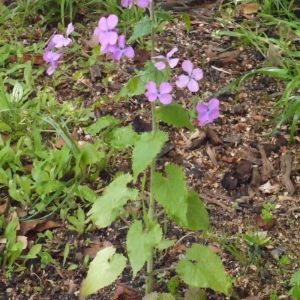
x=140, y=243
x=101, y=123
x=174, y=114
x=86, y=193
x=107, y=207
x=146, y=149
x=158, y=296
x=171, y=192
x=141, y=29
x=197, y=216
x=103, y=270
x=203, y=268
x=123, y=137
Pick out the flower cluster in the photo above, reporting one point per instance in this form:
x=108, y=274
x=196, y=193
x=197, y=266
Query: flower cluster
x=107, y=35
x=57, y=41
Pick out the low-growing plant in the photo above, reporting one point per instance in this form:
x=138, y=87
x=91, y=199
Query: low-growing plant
x=160, y=194
x=266, y=212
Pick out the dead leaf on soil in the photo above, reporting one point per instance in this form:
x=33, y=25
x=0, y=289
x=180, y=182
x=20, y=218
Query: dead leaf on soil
x=95, y=246
x=274, y=56
x=261, y=223
x=72, y=286
x=3, y=208
x=36, y=59
x=23, y=240
x=180, y=247
x=38, y=225
x=251, y=298
x=250, y=8
x=268, y=188
x=213, y=248
x=195, y=294
x=212, y=154
x=229, y=57
x=124, y=293
x=60, y=142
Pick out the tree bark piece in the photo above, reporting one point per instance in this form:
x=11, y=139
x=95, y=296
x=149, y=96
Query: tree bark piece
x=286, y=168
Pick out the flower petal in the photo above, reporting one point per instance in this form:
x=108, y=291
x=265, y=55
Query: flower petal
x=117, y=54
x=121, y=41
x=182, y=81
x=165, y=99
x=197, y=74
x=165, y=88
x=193, y=85
x=214, y=114
x=142, y=3
x=173, y=62
x=169, y=54
x=102, y=24
x=129, y=52
x=160, y=65
x=112, y=37
x=214, y=104
x=112, y=21
x=70, y=29
x=187, y=66
x=151, y=96
x=151, y=86
x=201, y=108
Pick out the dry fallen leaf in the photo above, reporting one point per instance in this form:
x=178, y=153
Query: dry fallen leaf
x=268, y=188
x=250, y=8
x=23, y=239
x=38, y=225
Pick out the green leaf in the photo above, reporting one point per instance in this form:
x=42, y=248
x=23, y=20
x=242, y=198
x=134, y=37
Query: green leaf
x=104, y=270
x=84, y=192
x=203, y=268
x=107, y=207
x=141, y=28
x=133, y=84
x=197, y=216
x=101, y=123
x=165, y=244
x=123, y=137
x=187, y=22
x=140, y=242
x=171, y=192
x=174, y=114
x=158, y=296
x=146, y=149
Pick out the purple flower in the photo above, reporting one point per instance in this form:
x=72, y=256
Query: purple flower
x=118, y=51
x=163, y=92
x=162, y=64
x=60, y=41
x=106, y=31
x=191, y=79
x=127, y=3
x=52, y=58
x=208, y=112
x=143, y=3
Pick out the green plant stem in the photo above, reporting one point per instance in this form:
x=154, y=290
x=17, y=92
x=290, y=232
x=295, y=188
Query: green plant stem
x=149, y=280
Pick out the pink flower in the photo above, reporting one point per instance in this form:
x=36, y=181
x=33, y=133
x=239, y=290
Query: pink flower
x=191, y=79
x=127, y=3
x=106, y=31
x=162, y=64
x=52, y=58
x=60, y=41
x=208, y=112
x=117, y=52
x=143, y=3
x=163, y=92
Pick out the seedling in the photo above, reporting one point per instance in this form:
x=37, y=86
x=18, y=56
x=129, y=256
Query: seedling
x=266, y=212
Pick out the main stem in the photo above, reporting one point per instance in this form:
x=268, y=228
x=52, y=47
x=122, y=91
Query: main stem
x=149, y=280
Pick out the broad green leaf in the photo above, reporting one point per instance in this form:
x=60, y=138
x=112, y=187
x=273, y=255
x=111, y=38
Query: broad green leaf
x=33, y=252
x=158, y=296
x=140, y=242
x=197, y=216
x=203, y=268
x=101, y=123
x=174, y=114
x=141, y=29
x=133, y=84
x=107, y=207
x=171, y=192
x=123, y=137
x=90, y=154
x=195, y=294
x=84, y=192
x=165, y=244
x=103, y=270
x=146, y=149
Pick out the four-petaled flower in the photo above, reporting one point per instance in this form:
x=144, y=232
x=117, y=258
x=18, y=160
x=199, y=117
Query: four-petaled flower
x=162, y=64
x=60, y=41
x=208, y=112
x=162, y=93
x=52, y=58
x=191, y=79
x=106, y=31
x=117, y=52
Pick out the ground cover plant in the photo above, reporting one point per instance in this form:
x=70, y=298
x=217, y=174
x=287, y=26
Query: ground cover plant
x=130, y=148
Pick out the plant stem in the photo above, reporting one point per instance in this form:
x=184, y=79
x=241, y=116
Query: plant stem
x=149, y=280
